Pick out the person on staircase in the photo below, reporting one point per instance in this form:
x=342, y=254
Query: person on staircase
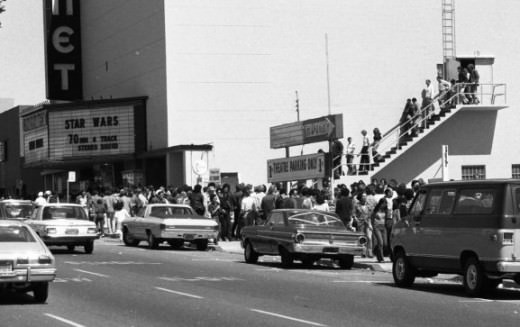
x=365, y=160
x=427, y=101
x=474, y=78
x=444, y=87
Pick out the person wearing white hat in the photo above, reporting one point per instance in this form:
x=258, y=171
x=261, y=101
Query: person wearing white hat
x=40, y=200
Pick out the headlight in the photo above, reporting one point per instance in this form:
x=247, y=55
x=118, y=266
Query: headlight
x=51, y=230
x=299, y=238
x=91, y=231
x=362, y=240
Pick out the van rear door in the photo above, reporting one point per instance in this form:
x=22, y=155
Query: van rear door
x=511, y=223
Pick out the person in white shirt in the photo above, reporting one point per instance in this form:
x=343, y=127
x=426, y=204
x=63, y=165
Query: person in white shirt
x=351, y=148
x=40, y=200
x=427, y=100
x=444, y=87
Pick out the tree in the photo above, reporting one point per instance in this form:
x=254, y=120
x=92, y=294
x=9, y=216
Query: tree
x=2, y=8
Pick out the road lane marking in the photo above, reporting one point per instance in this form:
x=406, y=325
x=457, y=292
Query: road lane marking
x=92, y=273
x=199, y=279
x=476, y=300
x=99, y=263
x=360, y=281
x=69, y=322
x=66, y=280
x=178, y=293
x=288, y=318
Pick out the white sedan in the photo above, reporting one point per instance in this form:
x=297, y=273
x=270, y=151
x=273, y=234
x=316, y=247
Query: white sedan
x=174, y=223
x=64, y=224
x=26, y=264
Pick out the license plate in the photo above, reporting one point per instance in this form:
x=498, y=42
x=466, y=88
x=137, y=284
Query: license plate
x=331, y=250
x=71, y=231
x=189, y=236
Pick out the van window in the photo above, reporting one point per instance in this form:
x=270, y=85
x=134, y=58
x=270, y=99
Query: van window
x=475, y=201
x=517, y=199
x=440, y=202
x=418, y=205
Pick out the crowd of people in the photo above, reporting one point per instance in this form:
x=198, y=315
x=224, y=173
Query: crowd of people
x=371, y=209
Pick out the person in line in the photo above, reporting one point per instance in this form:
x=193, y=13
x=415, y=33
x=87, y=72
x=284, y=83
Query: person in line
x=464, y=88
x=121, y=213
x=378, y=219
x=40, y=200
x=443, y=86
x=226, y=206
x=362, y=215
x=351, y=149
x=365, y=160
x=269, y=201
x=100, y=215
x=474, y=79
x=375, y=145
x=405, y=120
x=321, y=204
x=109, y=200
x=344, y=207
x=427, y=101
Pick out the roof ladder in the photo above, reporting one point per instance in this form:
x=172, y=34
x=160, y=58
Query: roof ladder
x=448, y=28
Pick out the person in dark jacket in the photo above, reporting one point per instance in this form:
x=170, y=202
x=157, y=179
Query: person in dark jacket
x=197, y=200
x=344, y=207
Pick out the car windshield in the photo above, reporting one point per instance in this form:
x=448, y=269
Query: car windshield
x=15, y=234
x=64, y=213
x=164, y=212
x=18, y=210
x=315, y=219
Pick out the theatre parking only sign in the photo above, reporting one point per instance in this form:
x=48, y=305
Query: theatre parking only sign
x=296, y=168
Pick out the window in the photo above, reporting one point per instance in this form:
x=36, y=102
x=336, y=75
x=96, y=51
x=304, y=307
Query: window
x=276, y=219
x=64, y=213
x=515, y=171
x=473, y=172
x=440, y=202
x=15, y=234
x=418, y=205
x=475, y=201
x=315, y=219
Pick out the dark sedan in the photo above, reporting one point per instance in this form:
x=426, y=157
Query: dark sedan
x=305, y=235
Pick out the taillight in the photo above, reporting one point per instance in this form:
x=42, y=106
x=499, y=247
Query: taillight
x=299, y=238
x=508, y=239
x=51, y=230
x=162, y=226
x=44, y=259
x=91, y=231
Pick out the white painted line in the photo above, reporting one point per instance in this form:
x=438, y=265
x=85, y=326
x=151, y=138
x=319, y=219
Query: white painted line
x=476, y=300
x=69, y=322
x=92, y=273
x=360, y=281
x=288, y=318
x=179, y=293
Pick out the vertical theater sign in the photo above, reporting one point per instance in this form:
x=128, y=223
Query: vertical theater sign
x=63, y=50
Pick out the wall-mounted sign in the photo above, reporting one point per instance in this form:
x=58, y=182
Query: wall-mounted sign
x=307, y=131
x=214, y=176
x=296, y=168
x=63, y=50
x=91, y=132
x=71, y=177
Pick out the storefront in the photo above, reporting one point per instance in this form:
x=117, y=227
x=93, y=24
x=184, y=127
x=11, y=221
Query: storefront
x=100, y=140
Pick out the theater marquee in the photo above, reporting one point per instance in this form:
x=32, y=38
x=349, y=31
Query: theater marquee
x=296, y=168
x=87, y=132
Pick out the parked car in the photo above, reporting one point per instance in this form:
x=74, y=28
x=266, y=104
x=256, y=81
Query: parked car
x=305, y=235
x=64, y=224
x=173, y=223
x=16, y=209
x=26, y=264
x=470, y=228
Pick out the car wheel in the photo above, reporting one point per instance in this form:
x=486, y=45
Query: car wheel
x=152, y=241
x=89, y=247
x=346, y=261
x=287, y=257
x=402, y=270
x=250, y=255
x=517, y=279
x=176, y=244
x=202, y=245
x=70, y=248
x=41, y=291
x=474, y=279
x=129, y=240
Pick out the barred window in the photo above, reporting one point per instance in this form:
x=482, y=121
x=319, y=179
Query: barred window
x=515, y=171
x=473, y=172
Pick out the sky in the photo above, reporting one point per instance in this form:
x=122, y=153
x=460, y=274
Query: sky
x=22, y=52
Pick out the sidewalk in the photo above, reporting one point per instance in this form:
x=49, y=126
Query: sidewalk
x=362, y=263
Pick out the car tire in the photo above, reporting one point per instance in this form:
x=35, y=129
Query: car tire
x=41, y=291
x=129, y=240
x=71, y=248
x=517, y=279
x=250, y=255
x=474, y=278
x=152, y=241
x=176, y=244
x=89, y=247
x=202, y=245
x=346, y=261
x=286, y=257
x=402, y=271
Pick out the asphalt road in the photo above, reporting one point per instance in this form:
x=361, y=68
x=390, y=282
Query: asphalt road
x=122, y=286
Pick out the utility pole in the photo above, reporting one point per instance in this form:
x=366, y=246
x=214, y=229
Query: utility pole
x=328, y=76
x=297, y=107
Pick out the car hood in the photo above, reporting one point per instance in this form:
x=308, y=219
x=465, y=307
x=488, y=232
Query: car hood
x=190, y=222
x=63, y=222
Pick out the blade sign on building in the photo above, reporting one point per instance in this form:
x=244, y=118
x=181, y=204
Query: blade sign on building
x=296, y=168
x=63, y=50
